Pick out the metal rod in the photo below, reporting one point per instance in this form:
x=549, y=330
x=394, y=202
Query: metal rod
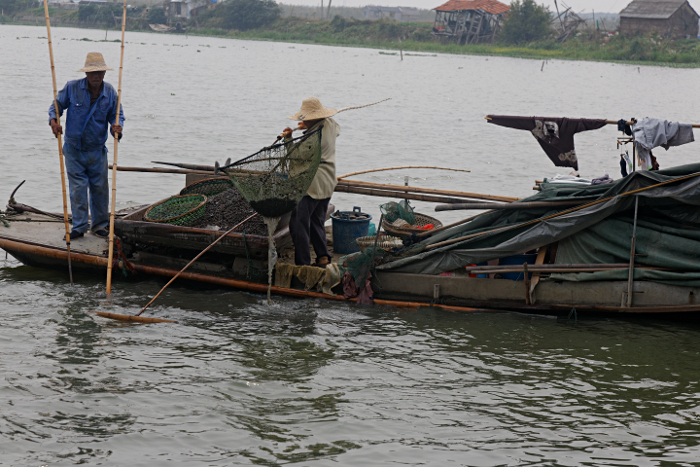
x=114, y=164
x=187, y=166
x=160, y=170
x=60, y=144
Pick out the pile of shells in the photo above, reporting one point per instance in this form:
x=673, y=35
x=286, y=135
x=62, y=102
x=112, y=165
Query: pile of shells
x=227, y=209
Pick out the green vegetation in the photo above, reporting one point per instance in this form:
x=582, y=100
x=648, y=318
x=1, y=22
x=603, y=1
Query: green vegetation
x=259, y=20
x=157, y=16
x=526, y=22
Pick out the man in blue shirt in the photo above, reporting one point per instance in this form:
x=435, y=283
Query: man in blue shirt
x=92, y=107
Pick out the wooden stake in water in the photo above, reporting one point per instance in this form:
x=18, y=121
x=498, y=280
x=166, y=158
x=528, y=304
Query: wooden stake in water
x=271, y=223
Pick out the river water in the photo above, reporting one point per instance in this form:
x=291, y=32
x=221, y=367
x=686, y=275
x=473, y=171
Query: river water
x=239, y=382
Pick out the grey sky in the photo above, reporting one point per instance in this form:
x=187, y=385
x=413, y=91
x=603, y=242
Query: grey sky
x=603, y=6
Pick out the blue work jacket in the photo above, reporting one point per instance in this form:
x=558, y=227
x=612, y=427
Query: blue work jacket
x=86, y=127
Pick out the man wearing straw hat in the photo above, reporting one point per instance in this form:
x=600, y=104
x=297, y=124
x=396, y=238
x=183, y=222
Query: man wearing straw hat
x=91, y=104
x=308, y=218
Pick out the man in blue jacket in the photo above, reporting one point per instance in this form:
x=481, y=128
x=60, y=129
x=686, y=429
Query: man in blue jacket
x=92, y=107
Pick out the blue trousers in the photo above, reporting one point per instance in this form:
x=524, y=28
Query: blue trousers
x=88, y=173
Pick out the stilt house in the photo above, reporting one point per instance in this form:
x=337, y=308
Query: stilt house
x=469, y=21
x=668, y=18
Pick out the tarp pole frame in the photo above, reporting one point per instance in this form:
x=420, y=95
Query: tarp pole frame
x=630, y=278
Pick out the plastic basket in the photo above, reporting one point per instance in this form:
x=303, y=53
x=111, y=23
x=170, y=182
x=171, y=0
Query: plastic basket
x=208, y=187
x=177, y=210
x=402, y=230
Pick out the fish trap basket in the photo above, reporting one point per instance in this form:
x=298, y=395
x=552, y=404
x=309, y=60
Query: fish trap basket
x=209, y=187
x=178, y=210
x=276, y=178
x=385, y=242
x=400, y=228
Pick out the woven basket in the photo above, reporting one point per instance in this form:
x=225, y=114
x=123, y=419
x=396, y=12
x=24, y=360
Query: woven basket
x=385, y=242
x=208, y=187
x=177, y=210
x=403, y=231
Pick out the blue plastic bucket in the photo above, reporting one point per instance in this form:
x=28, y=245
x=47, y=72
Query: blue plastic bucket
x=516, y=260
x=347, y=230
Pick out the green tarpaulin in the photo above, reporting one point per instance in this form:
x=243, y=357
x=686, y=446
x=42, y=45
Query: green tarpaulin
x=668, y=230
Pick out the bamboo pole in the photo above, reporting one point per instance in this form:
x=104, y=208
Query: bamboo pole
x=195, y=259
x=60, y=144
x=395, y=194
x=506, y=206
x=432, y=191
x=552, y=216
x=401, y=168
x=114, y=164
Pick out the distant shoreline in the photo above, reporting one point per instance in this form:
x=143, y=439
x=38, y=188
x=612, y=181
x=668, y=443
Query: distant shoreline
x=572, y=51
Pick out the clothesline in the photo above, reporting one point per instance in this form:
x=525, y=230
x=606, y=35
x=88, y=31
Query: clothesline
x=614, y=122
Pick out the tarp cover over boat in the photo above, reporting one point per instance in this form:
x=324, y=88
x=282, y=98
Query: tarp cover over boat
x=668, y=230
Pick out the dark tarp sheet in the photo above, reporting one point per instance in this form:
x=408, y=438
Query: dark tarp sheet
x=668, y=212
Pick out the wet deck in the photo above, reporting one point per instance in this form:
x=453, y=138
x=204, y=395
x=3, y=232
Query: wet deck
x=39, y=229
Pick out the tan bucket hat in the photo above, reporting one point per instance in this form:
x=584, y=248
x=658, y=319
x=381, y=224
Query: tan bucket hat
x=312, y=109
x=95, y=62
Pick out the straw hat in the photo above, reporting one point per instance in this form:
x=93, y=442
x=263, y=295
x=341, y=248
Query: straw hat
x=94, y=62
x=312, y=109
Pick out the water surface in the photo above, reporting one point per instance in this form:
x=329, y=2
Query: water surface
x=238, y=382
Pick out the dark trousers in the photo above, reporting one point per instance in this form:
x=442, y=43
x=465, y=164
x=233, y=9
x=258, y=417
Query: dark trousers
x=306, y=225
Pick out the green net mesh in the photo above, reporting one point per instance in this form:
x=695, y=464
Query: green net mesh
x=177, y=210
x=401, y=210
x=274, y=180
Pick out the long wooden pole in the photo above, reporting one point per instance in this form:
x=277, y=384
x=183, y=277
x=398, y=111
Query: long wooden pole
x=431, y=191
x=195, y=259
x=395, y=194
x=114, y=164
x=60, y=144
x=383, y=169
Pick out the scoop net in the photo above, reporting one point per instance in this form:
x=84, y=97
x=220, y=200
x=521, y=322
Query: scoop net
x=276, y=178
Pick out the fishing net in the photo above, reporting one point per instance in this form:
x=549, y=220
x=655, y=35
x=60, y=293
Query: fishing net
x=177, y=210
x=276, y=178
x=401, y=210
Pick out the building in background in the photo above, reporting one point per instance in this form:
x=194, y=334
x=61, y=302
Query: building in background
x=469, y=21
x=667, y=18
x=402, y=14
x=185, y=9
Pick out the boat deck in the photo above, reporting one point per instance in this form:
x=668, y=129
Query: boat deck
x=41, y=230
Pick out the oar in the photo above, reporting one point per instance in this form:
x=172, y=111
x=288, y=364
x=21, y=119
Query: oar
x=137, y=317
x=114, y=164
x=60, y=144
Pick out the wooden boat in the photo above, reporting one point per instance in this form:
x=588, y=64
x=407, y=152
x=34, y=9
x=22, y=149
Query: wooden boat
x=150, y=249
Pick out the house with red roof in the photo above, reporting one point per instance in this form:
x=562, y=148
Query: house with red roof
x=469, y=21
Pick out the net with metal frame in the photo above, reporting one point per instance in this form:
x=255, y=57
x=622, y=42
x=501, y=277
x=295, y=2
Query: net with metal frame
x=276, y=178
